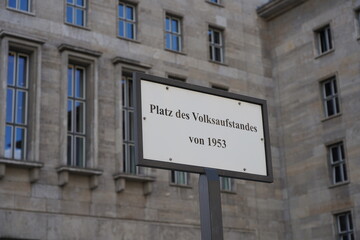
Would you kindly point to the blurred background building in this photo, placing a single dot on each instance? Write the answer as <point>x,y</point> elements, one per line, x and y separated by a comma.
<point>66,116</point>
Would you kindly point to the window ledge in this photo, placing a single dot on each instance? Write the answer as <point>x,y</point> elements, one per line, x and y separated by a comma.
<point>121,178</point>
<point>339,184</point>
<point>331,117</point>
<point>129,39</point>
<point>117,60</point>
<point>228,191</point>
<point>64,171</point>
<point>177,52</point>
<point>77,26</point>
<point>180,185</point>
<point>220,63</point>
<point>34,167</point>
<point>214,4</point>
<point>67,47</point>
<point>21,11</point>
<point>325,53</point>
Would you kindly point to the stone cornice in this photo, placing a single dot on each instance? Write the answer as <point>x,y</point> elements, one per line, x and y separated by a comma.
<point>275,8</point>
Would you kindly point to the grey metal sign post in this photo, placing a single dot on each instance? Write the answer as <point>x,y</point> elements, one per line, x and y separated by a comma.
<point>210,206</point>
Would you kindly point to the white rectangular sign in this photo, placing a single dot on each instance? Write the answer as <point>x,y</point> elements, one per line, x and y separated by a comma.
<point>184,127</point>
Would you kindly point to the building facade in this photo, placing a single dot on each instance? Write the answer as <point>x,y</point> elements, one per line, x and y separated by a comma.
<point>66,116</point>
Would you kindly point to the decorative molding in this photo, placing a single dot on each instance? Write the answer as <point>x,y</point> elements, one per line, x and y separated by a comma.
<point>4,34</point>
<point>275,8</point>
<point>121,178</point>
<point>65,171</point>
<point>131,62</point>
<point>68,47</point>
<point>34,167</point>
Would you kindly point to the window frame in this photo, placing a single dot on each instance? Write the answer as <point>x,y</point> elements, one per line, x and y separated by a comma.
<point>178,35</point>
<point>342,163</point>
<point>212,45</point>
<point>133,22</point>
<point>32,47</point>
<point>334,97</point>
<point>72,133</point>
<point>75,6</point>
<point>178,180</point>
<point>17,7</point>
<point>349,232</point>
<point>329,40</point>
<point>87,59</point>
<point>13,124</point>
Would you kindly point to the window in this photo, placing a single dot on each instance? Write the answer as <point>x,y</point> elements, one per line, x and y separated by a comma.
<point>173,33</point>
<point>126,21</point>
<point>216,46</point>
<point>180,177</point>
<point>128,124</point>
<point>76,12</point>
<point>344,226</point>
<point>17,106</point>
<point>337,163</point>
<point>330,97</point>
<point>76,116</point>
<point>226,184</point>
<point>324,39</point>
<point>22,5</point>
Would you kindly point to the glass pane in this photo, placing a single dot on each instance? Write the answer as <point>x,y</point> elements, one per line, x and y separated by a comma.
<point>328,89</point>
<point>131,126</point>
<point>80,151</point>
<point>210,36</point>
<point>24,5</point>
<point>19,151</point>
<point>168,41</point>
<point>80,3</point>
<point>121,28</point>
<point>123,92</point>
<point>124,125</point>
<point>69,14</point>
<point>211,53</point>
<point>124,158</point>
<point>129,13</point>
<point>217,36</point>
<point>70,115</point>
<point>70,81</point>
<point>342,223</point>
<point>132,160</point>
<point>79,83</point>
<point>323,45</point>
<point>337,109</point>
<point>175,26</point>
<point>334,154</point>
<point>21,99</point>
<point>330,107</point>
<point>337,172</point>
<point>350,222</point>
<point>329,38</point>
<point>12,3</point>
<point>70,1</point>
<point>11,69</point>
<point>121,10</point>
<point>130,30</point>
<point>69,150</point>
<point>8,141</point>
<point>130,93</point>
<point>334,86</point>
<point>80,17</point>
<point>167,24</point>
<point>10,106</point>
<point>79,117</point>
<point>344,172</point>
<point>175,42</point>
<point>22,70</point>
<point>217,54</point>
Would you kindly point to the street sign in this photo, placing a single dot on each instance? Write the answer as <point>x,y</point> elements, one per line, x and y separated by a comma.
<point>185,127</point>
